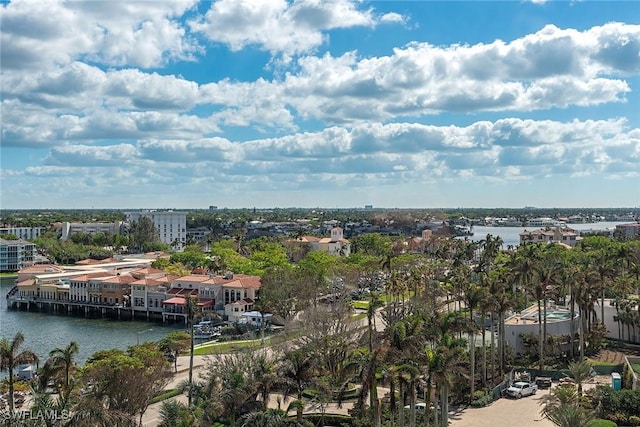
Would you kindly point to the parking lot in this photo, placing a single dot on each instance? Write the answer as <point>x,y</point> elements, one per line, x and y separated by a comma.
<point>505,413</point>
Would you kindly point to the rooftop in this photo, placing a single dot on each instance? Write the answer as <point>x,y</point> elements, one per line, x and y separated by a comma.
<point>530,315</point>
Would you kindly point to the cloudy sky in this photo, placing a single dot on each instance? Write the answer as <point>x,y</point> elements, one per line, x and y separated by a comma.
<point>317,103</point>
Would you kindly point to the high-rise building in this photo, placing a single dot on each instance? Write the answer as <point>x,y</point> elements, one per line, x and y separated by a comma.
<point>171,225</point>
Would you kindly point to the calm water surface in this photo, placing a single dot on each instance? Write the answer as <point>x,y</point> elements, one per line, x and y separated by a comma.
<point>44,332</point>
<point>511,235</point>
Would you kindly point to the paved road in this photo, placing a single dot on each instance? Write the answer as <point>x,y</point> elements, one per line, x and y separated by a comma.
<point>513,413</point>
<point>504,413</point>
<point>151,418</point>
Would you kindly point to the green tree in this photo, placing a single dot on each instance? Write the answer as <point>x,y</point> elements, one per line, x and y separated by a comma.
<point>174,344</point>
<point>125,383</point>
<point>281,292</point>
<point>562,407</point>
<point>372,244</point>
<point>11,357</point>
<point>143,232</point>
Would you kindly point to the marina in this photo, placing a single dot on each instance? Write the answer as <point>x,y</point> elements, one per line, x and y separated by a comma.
<point>44,331</point>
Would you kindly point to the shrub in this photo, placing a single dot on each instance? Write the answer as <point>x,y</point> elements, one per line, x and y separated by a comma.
<point>603,423</point>
<point>479,394</point>
<point>166,395</point>
<point>482,402</point>
<point>329,419</point>
<point>634,420</point>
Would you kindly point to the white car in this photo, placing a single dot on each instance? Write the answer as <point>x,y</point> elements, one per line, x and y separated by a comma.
<point>522,388</point>
<point>420,406</point>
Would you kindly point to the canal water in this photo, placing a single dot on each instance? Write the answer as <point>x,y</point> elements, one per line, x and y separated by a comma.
<point>511,235</point>
<point>45,331</point>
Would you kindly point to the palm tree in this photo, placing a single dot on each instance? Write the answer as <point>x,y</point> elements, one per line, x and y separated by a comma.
<point>296,371</point>
<point>64,358</point>
<point>451,356</point>
<point>562,407</point>
<point>606,271</point>
<point>191,306</point>
<point>473,295</point>
<point>432,360</point>
<point>547,271</point>
<point>11,357</point>
<point>267,418</point>
<point>538,292</point>
<point>265,376</point>
<point>175,414</point>
<point>389,376</point>
<point>409,375</point>
<point>580,372</point>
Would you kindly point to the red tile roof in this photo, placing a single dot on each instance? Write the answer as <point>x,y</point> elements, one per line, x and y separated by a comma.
<point>27,282</point>
<point>147,282</point>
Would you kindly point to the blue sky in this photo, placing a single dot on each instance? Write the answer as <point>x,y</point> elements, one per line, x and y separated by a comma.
<point>315,103</point>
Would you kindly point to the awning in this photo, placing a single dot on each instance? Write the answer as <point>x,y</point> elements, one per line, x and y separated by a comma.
<point>175,300</point>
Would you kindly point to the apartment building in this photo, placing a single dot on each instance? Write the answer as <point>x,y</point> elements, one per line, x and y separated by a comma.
<point>91,228</point>
<point>25,233</point>
<point>171,225</point>
<point>14,254</point>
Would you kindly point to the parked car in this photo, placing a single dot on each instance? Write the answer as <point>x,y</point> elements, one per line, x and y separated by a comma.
<point>543,382</point>
<point>521,388</point>
<point>420,406</point>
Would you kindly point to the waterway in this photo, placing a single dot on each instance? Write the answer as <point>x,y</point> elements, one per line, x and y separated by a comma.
<point>511,235</point>
<point>45,331</point>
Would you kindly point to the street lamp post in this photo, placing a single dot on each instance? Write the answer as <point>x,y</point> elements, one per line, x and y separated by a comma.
<point>141,332</point>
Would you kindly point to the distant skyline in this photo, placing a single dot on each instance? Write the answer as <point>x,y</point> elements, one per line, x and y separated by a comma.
<point>334,104</point>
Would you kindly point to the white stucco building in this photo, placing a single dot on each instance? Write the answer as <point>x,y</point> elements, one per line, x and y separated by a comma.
<point>71,228</point>
<point>25,233</point>
<point>171,225</point>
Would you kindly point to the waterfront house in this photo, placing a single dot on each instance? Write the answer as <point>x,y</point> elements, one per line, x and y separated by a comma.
<point>175,307</point>
<point>544,222</point>
<point>234,311</point>
<point>78,285</point>
<point>428,242</point>
<point>147,295</point>
<point>116,290</point>
<point>560,235</point>
<point>222,295</point>
<point>629,231</point>
<point>31,271</point>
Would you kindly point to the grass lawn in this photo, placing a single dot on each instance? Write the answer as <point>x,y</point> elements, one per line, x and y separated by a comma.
<point>361,305</point>
<point>228,347</point>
